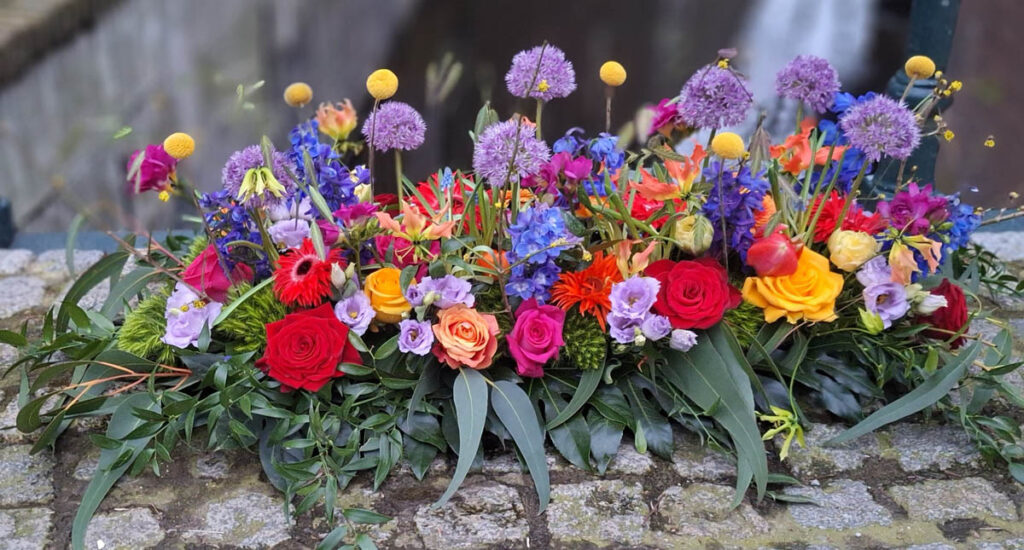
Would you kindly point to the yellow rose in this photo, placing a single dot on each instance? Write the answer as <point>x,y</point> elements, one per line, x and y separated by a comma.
<point>849,249</point>
<point>809,293</point>
<point>385,293</point>
<point>693,233</point>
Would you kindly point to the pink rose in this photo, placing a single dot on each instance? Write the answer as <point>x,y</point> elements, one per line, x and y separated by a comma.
<point>536,337</point>
<point>155,170</point>
<point>206,274</point>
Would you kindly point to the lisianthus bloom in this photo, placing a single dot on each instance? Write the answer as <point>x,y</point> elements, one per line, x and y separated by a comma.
<point>916,210</point>
<point>888,301</point>
<point>465,337</point>
<point>855,220</point>
<point>682,340</point>
<point>443,292</point>
<point>415,337</point>
<point>356,214</point>
<point>849,249</point>
<point>563,165</point>
<point>337,121</point>
<point>289,233</point>
<point>950,319</point>
<point>302,278</point>
<point>589,288</point>
<point>904,262</point>
<point>795,152</point>
<point>186,315</point>
<point>809,293</point>
<point>206,274</point>
<point>693,293</point>
<point>356,312</point>
<point>384,289</point>
<point>305,348</point>
<point>155,170</point>
<point>536,337</point>
<point>681,175</point>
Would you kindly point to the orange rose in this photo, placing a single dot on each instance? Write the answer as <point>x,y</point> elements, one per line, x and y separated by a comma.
<point>465,337</point>
<point>384,290</point>
<point>809,293</point>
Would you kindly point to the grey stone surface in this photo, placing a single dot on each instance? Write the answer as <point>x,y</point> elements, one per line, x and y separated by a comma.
<point>599,512</point>
<point>1008,245</point>
<point>19,294</point>
<point>25,528</point>
<point>86,466</point>
<point>212,465</point>
<point>630,462</point>
<point>93,299</point>
<point>14,261</point>
<point>931,546</point>
<point>124,530</point>
<point>8,419</point>
<point>8,354</point>
<point>245,519</point>
<point>705,510</point>
<point>1010,544</point>
<point>695,462</point>
<point>842,504</point>
<point>53,264</point>
<point>941,499</point>
<point>817,459</point>
<point>921,447</point>
<point>24,478</point>
<point>478,515</point>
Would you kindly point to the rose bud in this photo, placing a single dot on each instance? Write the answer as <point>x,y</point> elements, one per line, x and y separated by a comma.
<point>773,256</point>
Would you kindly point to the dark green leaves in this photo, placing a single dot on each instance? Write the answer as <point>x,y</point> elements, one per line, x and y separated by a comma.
<point>470,396</point>
<point>516,412</point>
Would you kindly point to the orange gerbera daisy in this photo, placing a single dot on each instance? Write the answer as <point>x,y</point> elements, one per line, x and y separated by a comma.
<point>589,289</point>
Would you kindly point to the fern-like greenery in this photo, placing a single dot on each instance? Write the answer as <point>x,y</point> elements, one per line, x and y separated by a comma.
<point>245,326</point>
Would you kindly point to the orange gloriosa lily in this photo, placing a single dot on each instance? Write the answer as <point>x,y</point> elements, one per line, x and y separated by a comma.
<point>795,152</point>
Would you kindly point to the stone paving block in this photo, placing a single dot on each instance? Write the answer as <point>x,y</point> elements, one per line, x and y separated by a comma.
<point>478,515</point>
<point>940,499</point>
<point>130,529</point>
<point>705,510</point>
<point>600,512</point>
<point>53,266</point>
<point>1011,544</point>
<point>211,465</point>
<point>247,519</point>
<point>8,354</point>
<point>922,447</point>
<point>20,293</point>
<point>818,460</point>
<point>693,461</point>
<point>25,478</point>
<point>842,504</point>
<point>25,528</point>
<point>14,261</point>
<point>629,461</point>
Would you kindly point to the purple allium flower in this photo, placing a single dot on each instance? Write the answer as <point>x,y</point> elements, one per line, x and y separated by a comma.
<point>875,272</point>
<point>915,210</point>
<point>623,329</point>
<point>682,340</point>
<point>398,126</point>
<point>356,312</point>
<point>186,314</point>
<point>810,79</point>
<point>634,297</point>
<point>714,98</point>
<point>415,337</point>
<point>554,78</point>
<point>888,301</point>
<point>240,162</point>
<point>494,148</point>
<point>449,290</point>
<point>289,233</point>
<point>656,327</point>
<point>881,126</point>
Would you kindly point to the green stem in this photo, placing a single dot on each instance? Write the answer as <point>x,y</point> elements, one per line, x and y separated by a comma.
<point>398,176</point>
<point>721,217</point>
<point>369,153</point>
<point>853,193</point>
<point>540,112</point>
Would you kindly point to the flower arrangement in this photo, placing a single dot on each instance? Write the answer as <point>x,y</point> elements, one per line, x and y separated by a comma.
<point>574,293</point>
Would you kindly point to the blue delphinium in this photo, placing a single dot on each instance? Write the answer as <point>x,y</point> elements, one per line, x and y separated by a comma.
<point>228,221</point>
<point>961,224</point>
<point>534,237</point>
<point>742,194</point>
<point>335,181</point>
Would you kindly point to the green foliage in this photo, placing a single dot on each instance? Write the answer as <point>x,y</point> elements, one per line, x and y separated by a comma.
<point>745,320</point>
<point>585,343</point>
<point>143,327</point>
<point>245,325</point>
<point>195,248</point>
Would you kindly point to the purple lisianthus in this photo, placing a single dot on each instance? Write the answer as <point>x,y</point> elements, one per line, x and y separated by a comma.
<point>714,98</point>
<point>682,340</point>
<point>289,233</point>
<point>809,79</point>
<point>415,337</point>
<point>285,211</point>
<point>881,126</point>
<point>186,314</point>
<point>240,162</point>
<point>634,297</point>
<point>546,69</point>
<point>656,327</point>
<point>395,125</point>
<point>494,151</point>
<point>888,301</point>
<point>623,329</point>
<point>356,312</point>
<point>875,271</point>
<point>444,292</point>
<point>916,210</point>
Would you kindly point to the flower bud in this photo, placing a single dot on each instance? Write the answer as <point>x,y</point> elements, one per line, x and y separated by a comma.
<point>871,322</point>
<point>338,276</point>
<point>773,256</point>
<point>693,234</point>
<point>362,192</point>
<point>930,303</point>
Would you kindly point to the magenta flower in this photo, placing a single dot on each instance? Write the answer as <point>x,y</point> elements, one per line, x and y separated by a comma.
<point>666,117</point>
<point>155,170</point>
<point>916,210</point>
<point>536,337</point>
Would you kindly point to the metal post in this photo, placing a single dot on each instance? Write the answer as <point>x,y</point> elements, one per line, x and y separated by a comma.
<point>932,24</point>
<point>6,223</point>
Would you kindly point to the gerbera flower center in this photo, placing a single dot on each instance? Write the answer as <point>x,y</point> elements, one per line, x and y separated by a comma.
<point>303,267</point>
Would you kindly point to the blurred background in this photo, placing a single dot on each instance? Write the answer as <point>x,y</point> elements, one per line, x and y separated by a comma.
<point>76,73</point>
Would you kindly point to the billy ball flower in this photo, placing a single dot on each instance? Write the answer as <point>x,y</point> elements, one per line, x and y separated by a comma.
<point>542,73</point>
<point>382,84</point>
<point>809,79</point>
<point>499,143</point>
<point>613,73</point>
<point>246,177</point>
<point>919,66</point>
<point>881,126</point>
<point>179,145</point>
<point>395,125</point>
<point>713,98</point>
<point>728,145</point>
<point>298,94</point>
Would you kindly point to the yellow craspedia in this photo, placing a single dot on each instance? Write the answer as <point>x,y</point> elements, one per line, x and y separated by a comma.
<point>919,66</point>
<point>382,84</point>
<point>613,73</point>
<point>728,145</point>
<point>179,145</point>
<point>990,142</point>
<point>948,135</point>
<point>298,94</point>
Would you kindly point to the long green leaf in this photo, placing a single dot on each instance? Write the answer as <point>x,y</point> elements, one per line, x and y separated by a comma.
<point>126,287</point>
<point>516,412</point>
<point>929,392</point>
<point>588,383</point>
<point>69,245</point>
<point>109,266</point>
<point>470,395</point>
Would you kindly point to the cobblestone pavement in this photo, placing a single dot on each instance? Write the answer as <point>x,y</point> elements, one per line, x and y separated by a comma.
<point>912,485</point>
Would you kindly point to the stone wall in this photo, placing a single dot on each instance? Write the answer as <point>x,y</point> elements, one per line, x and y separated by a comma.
<point>912,485</point>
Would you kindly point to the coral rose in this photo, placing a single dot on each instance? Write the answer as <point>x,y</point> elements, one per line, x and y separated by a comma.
<point>810,293</point>
<point>464,337</point>
<point>385,293</point>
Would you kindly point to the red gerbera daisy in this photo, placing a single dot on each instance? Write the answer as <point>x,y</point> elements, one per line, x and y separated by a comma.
<point>589,288</point>
<point>302,278</point>
<point>855,220</point>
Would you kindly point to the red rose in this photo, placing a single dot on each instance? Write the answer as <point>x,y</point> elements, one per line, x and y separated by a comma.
<point>206,274</point>
<point>305,348</point>
<point>951,318</point>
<point>693,293</point>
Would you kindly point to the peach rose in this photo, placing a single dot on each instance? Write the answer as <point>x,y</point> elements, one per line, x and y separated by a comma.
<point>465,337</point>
<point>384,290</point>
<point>809,293</point>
